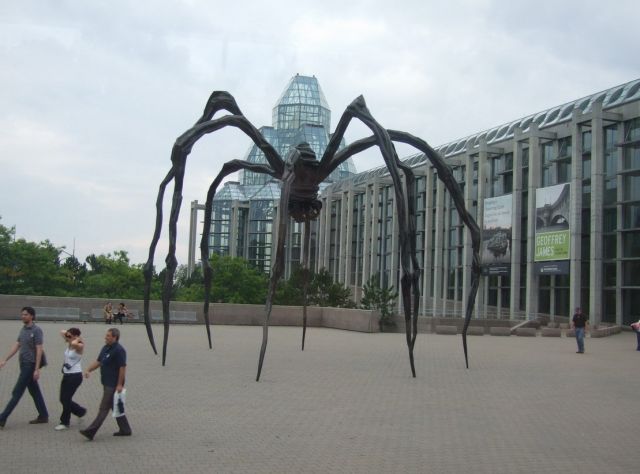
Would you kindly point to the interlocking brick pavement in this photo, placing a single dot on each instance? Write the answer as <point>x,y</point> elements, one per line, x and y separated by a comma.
<point>347,404</point>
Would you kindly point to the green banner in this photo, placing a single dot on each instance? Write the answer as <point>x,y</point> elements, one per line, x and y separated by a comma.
<point>552,245</point>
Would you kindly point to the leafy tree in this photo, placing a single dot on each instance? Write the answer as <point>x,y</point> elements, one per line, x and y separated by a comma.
<point>324,292</point>
<point>112,276</point>
<point>382,298</point>
<point>29,267</point>
<point>290,292</point>
<point>235,281</point>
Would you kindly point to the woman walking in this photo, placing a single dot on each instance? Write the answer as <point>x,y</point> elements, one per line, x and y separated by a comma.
<point>71,377</point>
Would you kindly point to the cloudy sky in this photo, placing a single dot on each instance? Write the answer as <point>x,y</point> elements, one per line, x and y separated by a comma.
<point>93,93</point>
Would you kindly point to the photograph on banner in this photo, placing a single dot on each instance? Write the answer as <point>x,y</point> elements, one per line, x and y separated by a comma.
<point>496,235</point>
<point>553,204</point>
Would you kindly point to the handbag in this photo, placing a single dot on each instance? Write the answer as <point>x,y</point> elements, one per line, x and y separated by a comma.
<point>635,326</point>
<point>118,403</point>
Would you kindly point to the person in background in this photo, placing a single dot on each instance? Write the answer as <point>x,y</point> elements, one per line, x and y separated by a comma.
<point>636,327</point>
<point>580,324</point>
<point>108,313</point>
<point>71,377</point>
<point>122,313</point>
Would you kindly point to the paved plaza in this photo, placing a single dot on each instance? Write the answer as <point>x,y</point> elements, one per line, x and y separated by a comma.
<point>347,404</point>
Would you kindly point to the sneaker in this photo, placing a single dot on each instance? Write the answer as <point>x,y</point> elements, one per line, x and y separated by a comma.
<point>122,433</point>
<point>87,434</point>
<point>39,421</point>
<point>61,427</point>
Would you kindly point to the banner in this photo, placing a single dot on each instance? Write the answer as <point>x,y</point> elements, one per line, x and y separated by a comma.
<point>496,235</point>
<point>553,205</point>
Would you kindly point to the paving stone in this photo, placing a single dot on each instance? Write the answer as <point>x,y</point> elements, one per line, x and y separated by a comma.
<point>347,404</point>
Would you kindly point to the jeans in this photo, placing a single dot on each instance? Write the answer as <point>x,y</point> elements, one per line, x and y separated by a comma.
<point>106,404</point>
<point>68,387</point>
<point>25,381</point>
<point>580,339</point>
<point>638,336</point>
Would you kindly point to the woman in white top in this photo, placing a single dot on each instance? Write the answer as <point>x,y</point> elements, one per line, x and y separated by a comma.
<point>71,377</point>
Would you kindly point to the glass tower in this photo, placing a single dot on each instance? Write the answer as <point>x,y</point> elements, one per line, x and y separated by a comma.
<point>244,211</point>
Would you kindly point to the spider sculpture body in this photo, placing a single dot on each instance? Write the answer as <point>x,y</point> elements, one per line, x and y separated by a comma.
<point>301,174</point>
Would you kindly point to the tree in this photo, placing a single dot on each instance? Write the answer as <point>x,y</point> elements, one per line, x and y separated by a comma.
<point>235,281</point>
<point>29,267</point>
<point>382,298</point>
<point>324,292</point>
<point>112,276</point>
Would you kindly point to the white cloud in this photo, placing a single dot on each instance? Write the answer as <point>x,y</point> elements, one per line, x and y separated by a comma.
<point>97,92</point>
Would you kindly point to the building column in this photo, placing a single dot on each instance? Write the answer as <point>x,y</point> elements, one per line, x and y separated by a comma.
<point>427,274</point>
<point>532,284</point>
<point>344,259</point>
<point>597,194</point>
<point>482,157</point>
<point>374,263</point>
<point>516,229</point>
<point>193,236</point>
<point>575,218</point>
<point>437,264</point>
<point>467,249</point>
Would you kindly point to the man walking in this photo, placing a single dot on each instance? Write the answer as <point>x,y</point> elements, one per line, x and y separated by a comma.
<point>30,344</point>
<point>112,361</point>
<point>579,324</point>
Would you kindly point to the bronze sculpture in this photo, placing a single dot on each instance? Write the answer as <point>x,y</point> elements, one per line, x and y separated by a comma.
<point>301,173</point>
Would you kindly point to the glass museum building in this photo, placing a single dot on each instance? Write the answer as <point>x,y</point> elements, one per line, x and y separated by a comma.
<point>556,195</point>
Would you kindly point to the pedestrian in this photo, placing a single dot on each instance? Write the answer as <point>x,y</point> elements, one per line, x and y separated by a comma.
<point>579,323</point>
<point>122,313</point>
<point>71,377</point>
<point>636,327</point>
<point>108,313</point>
<point>31,358</point>
<point>112,361</point>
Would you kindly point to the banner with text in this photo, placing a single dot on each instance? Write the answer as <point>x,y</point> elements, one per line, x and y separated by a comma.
<point>496,235</point>
<point>553,205</point>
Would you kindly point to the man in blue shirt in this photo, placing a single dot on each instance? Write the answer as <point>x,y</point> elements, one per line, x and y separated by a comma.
<point>30,345</point>
<point>112,361</point>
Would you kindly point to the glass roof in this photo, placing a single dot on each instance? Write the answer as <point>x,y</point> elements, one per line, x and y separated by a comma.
<point>613,97</point>
<point>610,98</point>
<point>301,114</point>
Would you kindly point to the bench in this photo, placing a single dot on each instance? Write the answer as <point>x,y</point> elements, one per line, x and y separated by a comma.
<point>177,316</point>
<point>97,314</point>
<point>500,331</point>
<point>475,331</point>
<point>50,313</point>
<point>551,332</point>
<point>440,329</point>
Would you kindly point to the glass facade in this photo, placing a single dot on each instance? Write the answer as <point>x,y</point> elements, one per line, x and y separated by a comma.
<point>244,211</point>
<point>592,144</point>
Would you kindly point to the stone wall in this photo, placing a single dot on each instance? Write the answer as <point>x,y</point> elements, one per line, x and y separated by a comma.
<point>90,309</point>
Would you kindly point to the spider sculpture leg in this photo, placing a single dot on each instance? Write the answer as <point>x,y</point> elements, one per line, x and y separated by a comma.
<point>305,281</point>
<point>148,268</point>
<point>410,269</point>
<point>446,176</point>
<point>227,169</point>
<point>180,152</point>
<point>278,266</point>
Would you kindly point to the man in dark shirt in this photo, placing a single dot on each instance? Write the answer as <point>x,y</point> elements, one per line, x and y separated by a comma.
<point>112,361</point>
<point>579,324</point>
<point>29,343</point>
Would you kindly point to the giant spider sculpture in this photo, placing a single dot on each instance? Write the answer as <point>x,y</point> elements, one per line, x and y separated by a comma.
<point>301,173</point>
